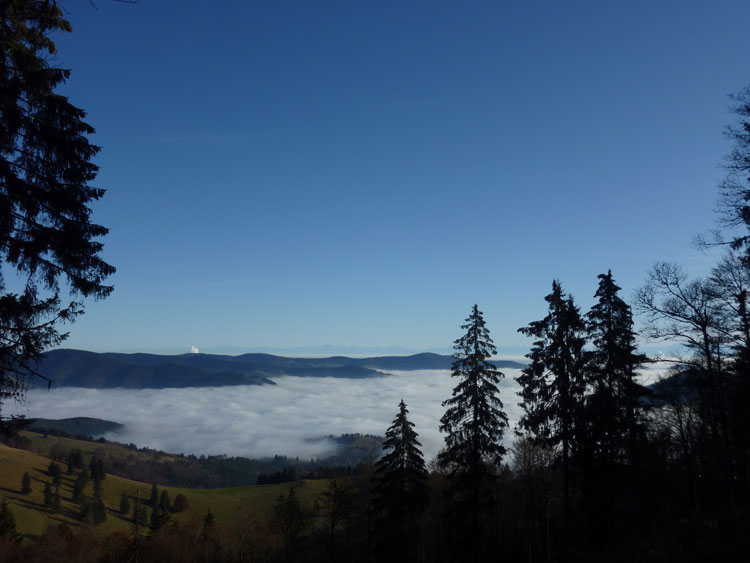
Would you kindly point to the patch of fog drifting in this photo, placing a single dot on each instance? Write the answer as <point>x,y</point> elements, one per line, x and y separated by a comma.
<point>255,421</point>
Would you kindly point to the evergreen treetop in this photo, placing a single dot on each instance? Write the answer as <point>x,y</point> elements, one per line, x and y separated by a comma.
<point>553,384</point>
<point>612,365</point>
<point>400,490</point>
<point>474,421</point>
<point>402,470</point>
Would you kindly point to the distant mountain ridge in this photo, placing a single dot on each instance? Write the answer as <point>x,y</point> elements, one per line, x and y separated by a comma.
<point>79,368</point>
<point>77,426</point>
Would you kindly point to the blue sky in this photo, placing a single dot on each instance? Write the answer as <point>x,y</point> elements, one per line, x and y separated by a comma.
<point>354,176</point>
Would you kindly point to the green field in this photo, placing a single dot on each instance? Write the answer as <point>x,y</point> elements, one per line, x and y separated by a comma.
<point>33,517</point>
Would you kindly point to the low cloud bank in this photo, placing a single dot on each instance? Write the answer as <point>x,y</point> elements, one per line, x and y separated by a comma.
<point>255,421</point>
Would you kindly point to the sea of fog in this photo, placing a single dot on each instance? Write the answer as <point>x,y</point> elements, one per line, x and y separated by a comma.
<point>256,421</point>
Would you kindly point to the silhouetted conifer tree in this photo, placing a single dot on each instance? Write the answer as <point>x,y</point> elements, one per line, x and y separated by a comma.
<point>7,521</point>
<point>54,471</point>
<point>77,458</point>
<point>400,490</point>
<point>93,511</point>
<point>155,521</point>
<point>48,242</point>
<point>99,510</point>
<point>474,423</point>
<point>55,506</point>
<point>139,514</point>
<point>613,424</point>
<point>289,520</point>
<point>124,503</point>
<point>209,521</point>
<point>79,486</point>
<point>164,501</point>
<point>26,484</point>
<point>553,385</point>
<point>47,494</point>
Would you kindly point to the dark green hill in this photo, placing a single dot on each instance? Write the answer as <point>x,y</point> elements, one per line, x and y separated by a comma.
<point>78,368</point>
<point>77,426</point>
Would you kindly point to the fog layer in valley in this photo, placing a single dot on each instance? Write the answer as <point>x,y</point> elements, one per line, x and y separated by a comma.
<point>255,421</point>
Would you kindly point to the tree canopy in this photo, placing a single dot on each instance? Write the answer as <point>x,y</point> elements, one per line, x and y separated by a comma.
<point>49,247</point>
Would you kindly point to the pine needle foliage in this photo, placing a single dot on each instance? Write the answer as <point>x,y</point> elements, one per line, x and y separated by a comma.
<point>49,243</point>
<point>553,384</point>
<point>615,396</point>
<point>474,421</point>
<point>400,490</point>
<point>402,469</point>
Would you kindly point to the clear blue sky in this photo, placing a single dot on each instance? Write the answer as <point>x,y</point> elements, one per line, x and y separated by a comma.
<point>287,175</point>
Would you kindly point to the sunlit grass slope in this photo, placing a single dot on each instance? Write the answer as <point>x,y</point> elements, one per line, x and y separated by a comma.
<point>33,517</point>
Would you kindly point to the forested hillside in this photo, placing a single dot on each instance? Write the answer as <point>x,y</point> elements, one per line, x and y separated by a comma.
<point>78,368</point>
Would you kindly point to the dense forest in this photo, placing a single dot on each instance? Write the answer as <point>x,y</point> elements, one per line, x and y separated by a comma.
<point>350,451</point>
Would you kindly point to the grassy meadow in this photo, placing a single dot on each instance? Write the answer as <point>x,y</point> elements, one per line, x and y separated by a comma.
<point>33,517</point>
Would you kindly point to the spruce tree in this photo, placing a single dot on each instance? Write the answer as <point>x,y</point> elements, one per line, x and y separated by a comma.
<point>77,459</point>
<point>54,471</point>
<point>613,424</point>
<point>139,513</point>
<point>93,511</point>
<point>154,496</point>
<point>164,501</point>
<point>99,510</point>
<point>289,520</point>
<point>47,494</point>
<point>124,503</point>
<point>26,484</point>
<point>55,505</point>
<point>7,521</point>
<point>156,519</point>
<point>553,385</point>
<point>209,520</point>
<point>79,486</point>
<point>96,467</point>
<point>97,488</point>
<point>400,490</point>
<point>474,423</point>
<point>138,522</point>
<point>50,248</point>
<point>93,469</point>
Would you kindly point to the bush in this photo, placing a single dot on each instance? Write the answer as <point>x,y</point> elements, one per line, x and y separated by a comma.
<point>180,503</point>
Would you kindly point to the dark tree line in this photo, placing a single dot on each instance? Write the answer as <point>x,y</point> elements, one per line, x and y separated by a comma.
<point>599,468</point>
